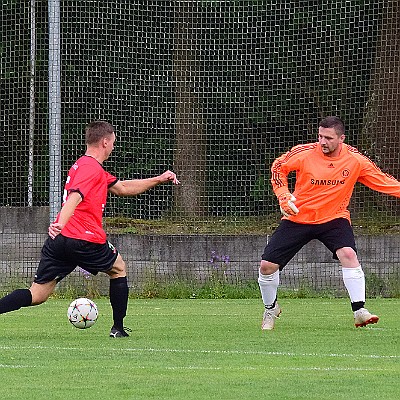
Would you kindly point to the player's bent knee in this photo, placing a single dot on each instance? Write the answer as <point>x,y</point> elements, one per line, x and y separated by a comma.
<point>118,269</point>
<point>347,257</point>
<point>268,268</point>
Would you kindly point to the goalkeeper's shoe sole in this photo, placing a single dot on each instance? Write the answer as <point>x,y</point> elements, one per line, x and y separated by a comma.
<point>363,317</point>
<point>118,333</point>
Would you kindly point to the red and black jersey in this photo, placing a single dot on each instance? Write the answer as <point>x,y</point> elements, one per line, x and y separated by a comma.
<point>91,181</point>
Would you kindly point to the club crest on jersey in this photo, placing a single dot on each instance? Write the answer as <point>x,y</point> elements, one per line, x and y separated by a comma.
<point>345,173</point>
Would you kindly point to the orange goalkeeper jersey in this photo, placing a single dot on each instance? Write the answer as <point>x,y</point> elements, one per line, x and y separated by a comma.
<point>324,184</point>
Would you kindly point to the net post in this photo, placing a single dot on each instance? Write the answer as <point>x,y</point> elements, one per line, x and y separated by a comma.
<point>32,104</point>
<point>54,108</point>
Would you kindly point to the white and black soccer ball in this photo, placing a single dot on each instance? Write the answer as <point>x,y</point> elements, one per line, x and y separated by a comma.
<point>82,313</point>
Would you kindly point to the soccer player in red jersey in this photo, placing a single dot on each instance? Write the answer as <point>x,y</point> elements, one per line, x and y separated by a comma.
<point>77,237</point>
<point>326,172</point>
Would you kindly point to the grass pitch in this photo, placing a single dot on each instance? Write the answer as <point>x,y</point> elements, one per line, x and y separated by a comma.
<point>202,349</point>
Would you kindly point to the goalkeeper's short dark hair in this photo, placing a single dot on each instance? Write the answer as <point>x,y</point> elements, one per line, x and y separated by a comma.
<point>333,122</point>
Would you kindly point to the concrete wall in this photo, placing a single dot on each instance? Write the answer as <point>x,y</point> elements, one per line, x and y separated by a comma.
<point>190,257</point>
<point>24,219</point>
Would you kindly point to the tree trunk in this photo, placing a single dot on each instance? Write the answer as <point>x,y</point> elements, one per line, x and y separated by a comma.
<point>190,145</point>
<point>382,118</point>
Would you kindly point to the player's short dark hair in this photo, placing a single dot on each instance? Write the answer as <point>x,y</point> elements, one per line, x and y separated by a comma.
<point>97,130</point>
<point>335,123</point>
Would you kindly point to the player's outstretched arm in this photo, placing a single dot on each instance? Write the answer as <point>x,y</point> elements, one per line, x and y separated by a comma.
<point>134,187</point>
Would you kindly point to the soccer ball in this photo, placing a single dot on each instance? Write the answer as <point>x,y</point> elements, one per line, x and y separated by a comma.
<point>82,313</point>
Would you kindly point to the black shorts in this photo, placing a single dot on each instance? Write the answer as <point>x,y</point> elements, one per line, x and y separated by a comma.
<point>290,237</point>
<point>60,256</point>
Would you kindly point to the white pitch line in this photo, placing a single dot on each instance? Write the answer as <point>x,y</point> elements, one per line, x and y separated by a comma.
<point>266,353</point>
<point>246,368</point>
<point>205,351</point>
<point>16,366</point>
<point>192,367</point>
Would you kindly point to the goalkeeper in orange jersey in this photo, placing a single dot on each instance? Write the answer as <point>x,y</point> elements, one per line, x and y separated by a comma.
<point>326,172</point>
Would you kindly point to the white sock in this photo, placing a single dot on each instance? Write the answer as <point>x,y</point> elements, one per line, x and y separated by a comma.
<point>268,287</point>
<point>354,281</point>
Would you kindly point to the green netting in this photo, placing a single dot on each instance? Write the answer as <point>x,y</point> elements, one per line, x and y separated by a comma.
<point>214,90</point>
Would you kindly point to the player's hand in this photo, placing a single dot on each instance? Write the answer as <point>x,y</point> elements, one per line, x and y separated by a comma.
<point>286,203</point>
<point>54,229</point>
<point>169,176</point>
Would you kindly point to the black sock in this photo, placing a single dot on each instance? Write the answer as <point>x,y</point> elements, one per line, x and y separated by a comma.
<point>357,305</point>
<point>15,300</point>
<point>119,300</point>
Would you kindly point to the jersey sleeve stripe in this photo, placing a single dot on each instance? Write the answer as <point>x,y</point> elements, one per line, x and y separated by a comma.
<point>112,183</point>
<point>76,191</point>
<point>355,151</point>
<point>276,167</point>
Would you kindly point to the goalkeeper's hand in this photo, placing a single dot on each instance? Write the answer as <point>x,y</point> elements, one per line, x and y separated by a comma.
<point>286,203</point>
